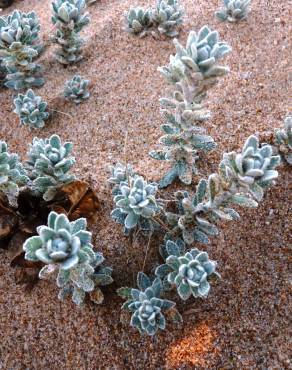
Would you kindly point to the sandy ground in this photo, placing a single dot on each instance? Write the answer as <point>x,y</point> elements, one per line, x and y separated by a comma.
<point>244,324</point>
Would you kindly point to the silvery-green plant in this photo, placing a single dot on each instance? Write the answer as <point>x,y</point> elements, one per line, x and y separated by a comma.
<point>69,18</point>
<point>168,15</point>
<point>138,21</point>
<point>12,174</point>
<point>19,47</point>
<point>192,71</point>
<point>135,203</point>
<point>283,139</point>
<point>146,304</point>
<point>31,109</point>
<point>49,163</point>
<point>241,180</point>
<point>66,247</point>
<point>119,174</point>
<point>233,10</point>
<point>76,89</point>
<point>188,271</point>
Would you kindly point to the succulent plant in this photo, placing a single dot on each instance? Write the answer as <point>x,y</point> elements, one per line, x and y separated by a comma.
<point>284,139</point>
<point>233,10</point>
<point>135,203</point>
<point>19,47</point>
<point>12,174</point>
<point>147,306</point>
<point>31,109</point>
<point>187,271</point>
<point>139,20</point>
<point>253,169</point>
<point>192,71</point>
<point>66,246</point>
<point>48,164</point>
<point>119,174</point>
<point>77,89</point>
<point>70,19</point>
<point>168,16</point>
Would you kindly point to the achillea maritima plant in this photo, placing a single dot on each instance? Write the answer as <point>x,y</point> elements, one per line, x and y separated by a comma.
<point>146,304</point>
<point>192,71</point>
<point>77,89</point>
<point>66,247</point>
<point>31,109</point>
<point>70,19</point>
<point>12,174</point>
<point>283,140</point>
<point>49,163</point>
<point>233,10</point>
<point>19,47</point>
<point>138,21</point>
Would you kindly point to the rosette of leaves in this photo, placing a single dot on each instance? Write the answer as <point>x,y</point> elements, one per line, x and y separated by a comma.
<point>19,47</point>
<point>233,10</point>
<point>69,18</point>
<point>77,89</point>
<point>168,16</point>
<point>66,246</point>
<point>135,203</point>
<point>146,304</point>
<point>283,140</point>
<point>138,21</point>
<point>192,71</point>
<point>31,109</point>
<point>49,163</point>
<point>12,174</point>
<point>188,271</point>
<point>253,169</point>
<point>119,174</point>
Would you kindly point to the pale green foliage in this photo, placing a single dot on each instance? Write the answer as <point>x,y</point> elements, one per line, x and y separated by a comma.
<point>241,179</point>
<point>187,271</point>
<point>283,139</point>
<point>233,10</point>
<point>66,247</point>
<point>192,71</point>
<point>146,304</point>
<point>119,174</point>
<point>168,16</point>
<point>49,162</point>
<point>77,89</point>
<point>70,19</point>
<point>12,174</point>
<point>19,47</point>
<point>139,20</point>
<point>135,201</point>
<point>31,109</point>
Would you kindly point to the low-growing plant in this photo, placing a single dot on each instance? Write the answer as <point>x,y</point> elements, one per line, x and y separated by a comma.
<point>165,17</point>
<point>70,18</point>
<point>12,174</point>
<point>283,140</point>
<point>146,304</point>
<point>192,71</point>
<point>31,109</point>
<point>233,10</point>
<point>188,271</point>
<point>66,247</point>
<point>48,164</point>
<point>76,89</point>
<point>19,47</point>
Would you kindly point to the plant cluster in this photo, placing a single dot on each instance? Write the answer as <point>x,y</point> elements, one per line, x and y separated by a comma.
<point>77,89</point>
<point>19,47</point>
<point>283,139</point>
<point>233,10</point>
<point>69,18</point>
<point>66,247</point>
<point>166,17</point>
<point>191,72</point>
<point>31,109</point>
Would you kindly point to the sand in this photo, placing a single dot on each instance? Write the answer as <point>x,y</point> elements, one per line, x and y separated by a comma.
<point>244,324</point>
